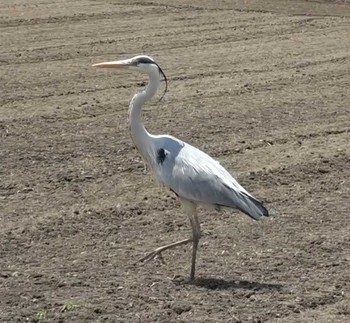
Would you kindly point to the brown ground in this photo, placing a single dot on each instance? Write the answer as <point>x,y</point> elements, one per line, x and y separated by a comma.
<point>263,86</point>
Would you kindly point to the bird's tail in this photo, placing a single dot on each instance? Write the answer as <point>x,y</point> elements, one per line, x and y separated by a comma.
<point>252,207</point>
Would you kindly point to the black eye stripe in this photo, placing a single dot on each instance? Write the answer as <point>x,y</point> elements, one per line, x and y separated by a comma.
<point>144,60</point>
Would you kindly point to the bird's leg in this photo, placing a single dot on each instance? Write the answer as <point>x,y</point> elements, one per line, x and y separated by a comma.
<point>191,210</point>
<point>196,235</point>
<point>157,252</point>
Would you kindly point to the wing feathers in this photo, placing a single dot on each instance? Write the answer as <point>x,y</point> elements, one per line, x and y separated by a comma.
<point>247,204</point>
<point>195,176</point>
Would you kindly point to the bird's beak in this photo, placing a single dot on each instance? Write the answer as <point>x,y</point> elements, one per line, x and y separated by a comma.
<point>115,64</point>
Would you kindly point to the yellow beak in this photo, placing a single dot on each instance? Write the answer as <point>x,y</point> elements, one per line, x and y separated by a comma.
<point>114,64</point>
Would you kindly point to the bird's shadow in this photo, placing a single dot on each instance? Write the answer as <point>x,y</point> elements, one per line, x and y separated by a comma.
<point>222,284</point>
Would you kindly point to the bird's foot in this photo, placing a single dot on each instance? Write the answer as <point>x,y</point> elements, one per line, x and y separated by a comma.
<point>155,254</point>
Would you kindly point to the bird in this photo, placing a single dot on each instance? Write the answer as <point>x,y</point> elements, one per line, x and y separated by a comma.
<point>196,178</point>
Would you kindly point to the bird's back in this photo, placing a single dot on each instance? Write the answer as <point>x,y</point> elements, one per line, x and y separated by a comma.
<point>197,177</point>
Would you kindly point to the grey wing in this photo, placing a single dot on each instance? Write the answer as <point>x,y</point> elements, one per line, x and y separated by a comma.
<point>194,175</point>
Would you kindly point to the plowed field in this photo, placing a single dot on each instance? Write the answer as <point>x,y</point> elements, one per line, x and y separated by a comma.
<point>262,86</point>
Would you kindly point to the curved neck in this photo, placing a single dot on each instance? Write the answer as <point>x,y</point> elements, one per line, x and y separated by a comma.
<point>141,137</point>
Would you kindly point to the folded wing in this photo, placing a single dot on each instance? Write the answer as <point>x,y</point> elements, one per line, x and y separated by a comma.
<point>194,175</point>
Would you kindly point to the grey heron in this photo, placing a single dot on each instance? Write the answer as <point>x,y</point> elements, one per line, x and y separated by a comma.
<point>195,177</point>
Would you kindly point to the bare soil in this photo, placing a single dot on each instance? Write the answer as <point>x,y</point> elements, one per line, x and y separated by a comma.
<point>263,86</point>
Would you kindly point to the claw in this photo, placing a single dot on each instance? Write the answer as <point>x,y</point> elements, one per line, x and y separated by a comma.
<point>152,255</point>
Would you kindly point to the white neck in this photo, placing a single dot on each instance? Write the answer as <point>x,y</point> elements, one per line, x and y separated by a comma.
<point>142,139</point>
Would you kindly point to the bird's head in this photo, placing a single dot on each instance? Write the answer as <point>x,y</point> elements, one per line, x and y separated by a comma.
<point>140,63</point>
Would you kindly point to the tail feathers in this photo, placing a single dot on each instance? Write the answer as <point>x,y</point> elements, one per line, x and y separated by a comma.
<point>252,207</point>
<point>240,199</point>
